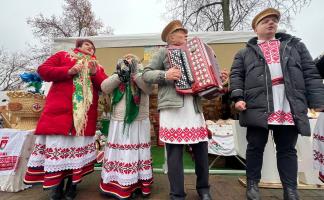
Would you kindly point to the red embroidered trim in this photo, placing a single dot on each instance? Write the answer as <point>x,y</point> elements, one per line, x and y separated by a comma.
<point>186,135</point>
<point>127,168</point>
<point>319,137</point>
<point>8,163</point>
<point>318,156</point>
<point>129,146</point>
<point>281,117</point>
<point>277,81</point>
<point>63,153</point>
<point>321,176</point>
<point>39,149</point>
<point>271,51</point>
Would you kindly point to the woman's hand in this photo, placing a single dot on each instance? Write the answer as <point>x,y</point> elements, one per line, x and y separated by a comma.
<point>240,105</point>
<point>224,75</point>
<point>75,69</point>
<point>93,67</point>
<point>173,73</point>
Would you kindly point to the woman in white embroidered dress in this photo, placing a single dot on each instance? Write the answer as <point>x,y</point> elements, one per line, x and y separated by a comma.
<point>65,143</point>
<point>318,143</point>
<point>127,165</point>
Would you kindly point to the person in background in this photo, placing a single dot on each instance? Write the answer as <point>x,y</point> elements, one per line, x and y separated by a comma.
<point>65,144</point>
<point>273,81</point>
<point>318,142</point>
<point>127,164</point>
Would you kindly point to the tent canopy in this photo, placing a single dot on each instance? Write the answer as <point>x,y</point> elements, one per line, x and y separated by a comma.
<point>153,39</point>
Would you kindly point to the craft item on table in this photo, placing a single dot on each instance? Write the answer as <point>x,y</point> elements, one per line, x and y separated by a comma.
<point>34,82</point>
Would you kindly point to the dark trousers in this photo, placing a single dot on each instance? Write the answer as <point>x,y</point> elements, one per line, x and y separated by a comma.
<point>285,138</point>
<point>175,168</point>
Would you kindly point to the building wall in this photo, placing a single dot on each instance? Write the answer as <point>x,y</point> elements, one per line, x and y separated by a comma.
<point>213,109</point>
<point>108,56</point>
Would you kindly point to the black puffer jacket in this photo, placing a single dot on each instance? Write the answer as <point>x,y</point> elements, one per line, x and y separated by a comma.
<point>250,80</point>
<point>319,61</point>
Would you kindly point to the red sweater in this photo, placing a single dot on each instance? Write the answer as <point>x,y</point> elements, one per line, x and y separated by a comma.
<point>57,116</point>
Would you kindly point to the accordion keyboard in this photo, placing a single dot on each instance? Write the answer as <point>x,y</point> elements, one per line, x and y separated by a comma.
<point>179,59</point>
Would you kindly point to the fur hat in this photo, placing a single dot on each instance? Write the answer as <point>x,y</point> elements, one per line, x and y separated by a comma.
<point>171,27</point>
<point>265,13</point>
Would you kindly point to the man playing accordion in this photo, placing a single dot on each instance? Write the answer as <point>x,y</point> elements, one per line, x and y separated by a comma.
<point>181,117</point>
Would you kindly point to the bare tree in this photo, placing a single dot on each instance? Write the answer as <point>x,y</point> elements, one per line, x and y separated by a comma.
<point>11,65</point>
<point>218,15</point>
<point>77,20</point>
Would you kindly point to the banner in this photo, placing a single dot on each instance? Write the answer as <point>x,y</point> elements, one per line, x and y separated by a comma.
<point>11,142</point>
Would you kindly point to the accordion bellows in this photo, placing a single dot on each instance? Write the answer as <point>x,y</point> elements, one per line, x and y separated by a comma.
<point>199,68</point>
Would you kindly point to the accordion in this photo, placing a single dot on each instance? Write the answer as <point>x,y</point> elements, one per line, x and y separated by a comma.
<point>200,73</point>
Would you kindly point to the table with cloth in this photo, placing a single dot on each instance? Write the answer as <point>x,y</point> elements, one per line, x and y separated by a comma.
<point>15,149</point>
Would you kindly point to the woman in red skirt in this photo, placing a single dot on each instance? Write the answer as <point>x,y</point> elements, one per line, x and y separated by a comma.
<point>65,144</point>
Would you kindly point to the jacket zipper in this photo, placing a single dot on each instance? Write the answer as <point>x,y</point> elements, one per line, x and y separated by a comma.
<point>266,76</point>
<point>283,57</point>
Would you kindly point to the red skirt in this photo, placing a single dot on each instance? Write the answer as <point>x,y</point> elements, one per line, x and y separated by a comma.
<point>37,175</point>
<point>124,192</point>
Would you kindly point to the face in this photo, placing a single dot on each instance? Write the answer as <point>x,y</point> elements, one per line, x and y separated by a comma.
<point>129,59</point>
<point>267,27</point>
<point>87,47</point>
<point>178,38</point>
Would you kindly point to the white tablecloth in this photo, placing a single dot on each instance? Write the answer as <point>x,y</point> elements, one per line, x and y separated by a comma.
<point>222,141</point>
<point>15,145</point>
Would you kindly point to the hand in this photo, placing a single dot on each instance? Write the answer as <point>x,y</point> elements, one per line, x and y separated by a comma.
<point>173,73</point>
<point>319,109</point>
<point>240,105</point>
<point>75,69</point>
<point>224,75</point>
<point>123,71</point>
<point>93,67</point>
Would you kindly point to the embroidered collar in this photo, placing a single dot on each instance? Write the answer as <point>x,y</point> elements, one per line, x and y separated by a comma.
<point>263,41</point>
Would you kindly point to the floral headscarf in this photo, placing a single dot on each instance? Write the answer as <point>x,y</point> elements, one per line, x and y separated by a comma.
<point>83,91</point>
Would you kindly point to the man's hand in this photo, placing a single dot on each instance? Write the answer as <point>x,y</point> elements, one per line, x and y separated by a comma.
<point>173,73</point>
<point>75,69</point>
<point>240,105</point>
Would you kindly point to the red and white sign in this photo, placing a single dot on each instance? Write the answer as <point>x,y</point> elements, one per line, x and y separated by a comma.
<point>11,142</point>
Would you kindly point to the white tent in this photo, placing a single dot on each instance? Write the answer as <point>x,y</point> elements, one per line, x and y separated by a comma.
<point>152,39</point>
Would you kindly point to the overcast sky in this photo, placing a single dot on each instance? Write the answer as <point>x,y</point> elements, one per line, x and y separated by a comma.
<point>134,16</point>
